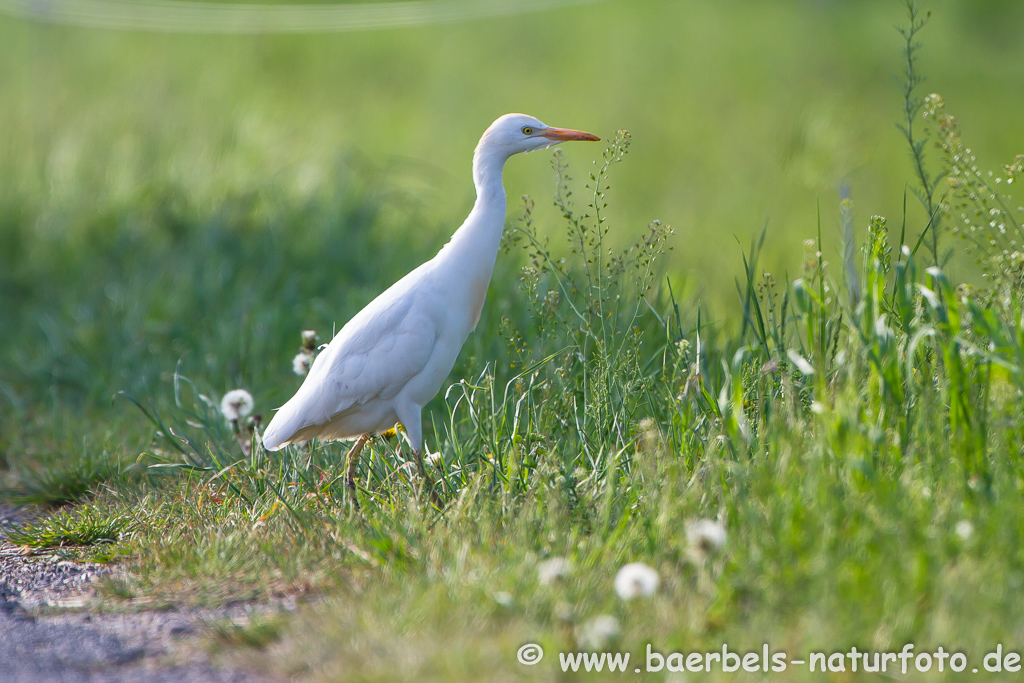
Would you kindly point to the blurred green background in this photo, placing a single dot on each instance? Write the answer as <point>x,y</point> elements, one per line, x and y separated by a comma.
<point>164,194</point>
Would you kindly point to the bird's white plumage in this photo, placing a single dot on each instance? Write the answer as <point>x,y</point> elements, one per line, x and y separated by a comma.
<point>392,356</point>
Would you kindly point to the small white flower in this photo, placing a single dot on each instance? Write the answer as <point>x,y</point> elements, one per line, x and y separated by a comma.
<point>552,570</point>
<point>503,598</point>
<point>635,580</point>
<point>599,632</point>
<point>705,537</point>
<point>964,529</point>
<point>563,610</point>
<point>236,404</point>
<point>301,363</point>
<point>650,437</point>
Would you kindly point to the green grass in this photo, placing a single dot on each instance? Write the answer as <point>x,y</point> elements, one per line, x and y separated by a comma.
<point>854,423</point>
<point>83,526</point>
<point>61,480</point>
<point>99,124</point>
<point>258,631</point>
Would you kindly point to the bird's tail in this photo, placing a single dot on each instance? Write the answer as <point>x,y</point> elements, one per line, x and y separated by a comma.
<point>278,433</point>
<point>272,439</point>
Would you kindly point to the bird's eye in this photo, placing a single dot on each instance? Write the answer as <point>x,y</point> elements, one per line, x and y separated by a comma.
<point>527,131</point>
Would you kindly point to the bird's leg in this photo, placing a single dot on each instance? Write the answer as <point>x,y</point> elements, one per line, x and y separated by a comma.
<point>353,460</point>
<point>410,417</point>
<point>428,482</point>
<point>418,454</point>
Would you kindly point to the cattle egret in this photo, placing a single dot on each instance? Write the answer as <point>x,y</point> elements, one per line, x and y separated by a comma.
<point>392,356</point>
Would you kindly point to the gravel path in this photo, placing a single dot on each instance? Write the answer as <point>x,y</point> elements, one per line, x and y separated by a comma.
<point>46,635</point>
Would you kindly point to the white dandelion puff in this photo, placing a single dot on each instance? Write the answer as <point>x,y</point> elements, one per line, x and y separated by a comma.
<point>599,632</point>
<point>309,339</point>
<point>550,571</point>
<point>649,434</point>
<point>301,363</point>
<point>636,580</point>
<point>564,611</point>
<point>964,529</point>
<point>236,404</point>
<point>503,598</point>
<point>705,538</point>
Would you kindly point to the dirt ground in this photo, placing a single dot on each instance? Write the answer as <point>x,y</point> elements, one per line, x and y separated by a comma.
<point>50,633</point>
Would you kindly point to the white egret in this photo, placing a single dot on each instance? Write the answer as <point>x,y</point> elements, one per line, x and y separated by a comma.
<point>391,358</point>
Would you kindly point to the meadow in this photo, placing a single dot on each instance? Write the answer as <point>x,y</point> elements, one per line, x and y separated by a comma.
<point>809,431</point>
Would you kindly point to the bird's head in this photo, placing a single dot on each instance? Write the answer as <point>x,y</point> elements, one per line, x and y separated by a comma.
<point>515,133</point>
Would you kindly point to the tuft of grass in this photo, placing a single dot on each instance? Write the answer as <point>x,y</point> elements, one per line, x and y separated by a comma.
<point>69,481</point>
<point>118,587</point>
<point>257,631</point>
<point>83,526</point>
<point>66,456</point>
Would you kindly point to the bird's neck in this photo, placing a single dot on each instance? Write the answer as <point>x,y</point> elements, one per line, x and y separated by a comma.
<point>474,246</point>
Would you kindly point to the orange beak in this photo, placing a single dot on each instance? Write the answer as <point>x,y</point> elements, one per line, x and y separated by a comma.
<point>562,134</point>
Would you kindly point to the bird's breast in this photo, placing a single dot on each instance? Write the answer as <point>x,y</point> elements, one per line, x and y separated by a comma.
<point>477,295</point>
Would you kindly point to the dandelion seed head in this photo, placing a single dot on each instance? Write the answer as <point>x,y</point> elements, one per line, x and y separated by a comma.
<point>236,404</point>
<point>636,580</point>
<point>599,632</point>
<point>964,529</point>
<point>301,363</point>
<point>564,611</point>
<point>650,435</point>
<point>552,570</point>
<point>705,537</point>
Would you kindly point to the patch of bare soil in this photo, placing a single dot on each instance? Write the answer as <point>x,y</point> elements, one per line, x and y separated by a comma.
<point>47,632</point>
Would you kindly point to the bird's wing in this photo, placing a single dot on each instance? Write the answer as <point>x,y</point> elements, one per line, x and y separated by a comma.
<point>381,354</point>
<point>373,357</point>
